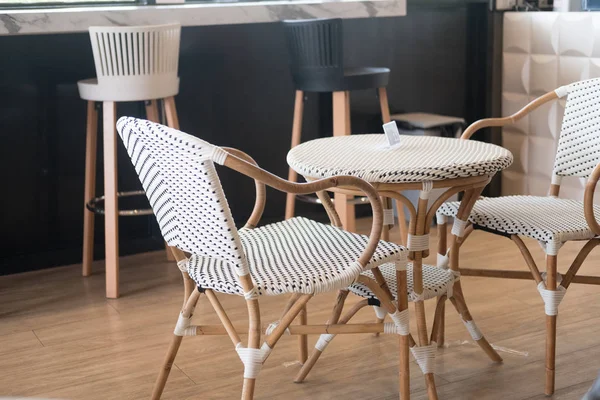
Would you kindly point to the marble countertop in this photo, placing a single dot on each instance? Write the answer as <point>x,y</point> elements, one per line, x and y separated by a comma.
<point>79,19</point>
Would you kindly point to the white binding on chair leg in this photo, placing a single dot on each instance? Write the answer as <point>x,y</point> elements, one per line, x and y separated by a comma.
<point>425,357</point>
<point>418,242</point>
<point>182,265</point>
<point>252,294</point>
<point>253,359</point>
<point>426,190</point>
<point>473,330</point>
<point>380,312</point>
<point>443,261</point>
<point>274,325</point>
<point>323,341</point>
<point>184,326</point>
<point>458,227</point>
<point>400,325</point>
<point>552,298</point>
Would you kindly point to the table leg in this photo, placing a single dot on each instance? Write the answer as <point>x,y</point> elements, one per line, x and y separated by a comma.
<point>457,298</point>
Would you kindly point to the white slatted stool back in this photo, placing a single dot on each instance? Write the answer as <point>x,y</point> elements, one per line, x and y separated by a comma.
<point>133,63</point>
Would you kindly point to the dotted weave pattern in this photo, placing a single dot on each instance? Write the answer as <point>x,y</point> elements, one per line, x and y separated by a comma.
<point>416,159</point>
<point>295,256</point>
<point>179,177</point>
<point>548,219</point>
<point>436,282</point>
<point>578,150</point>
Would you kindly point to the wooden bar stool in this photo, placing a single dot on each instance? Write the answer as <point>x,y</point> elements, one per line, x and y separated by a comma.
<point>134,63</point>
<point>316,53</point>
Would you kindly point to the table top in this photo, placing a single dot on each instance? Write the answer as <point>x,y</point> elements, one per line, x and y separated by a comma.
<point>416,159</point>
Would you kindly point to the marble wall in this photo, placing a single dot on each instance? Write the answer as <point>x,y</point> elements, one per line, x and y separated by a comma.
<point>542,51</point>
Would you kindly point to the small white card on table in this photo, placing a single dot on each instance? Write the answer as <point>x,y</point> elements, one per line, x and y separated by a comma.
<point>392,134</point>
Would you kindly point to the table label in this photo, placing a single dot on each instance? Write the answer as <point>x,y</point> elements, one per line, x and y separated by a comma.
<point>392,134</point>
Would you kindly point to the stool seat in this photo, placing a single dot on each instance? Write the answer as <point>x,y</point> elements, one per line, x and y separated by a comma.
<point>359,78</point>
<point>129,88</point>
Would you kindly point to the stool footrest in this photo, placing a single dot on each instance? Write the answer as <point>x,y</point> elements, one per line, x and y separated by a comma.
<point>94,205</point>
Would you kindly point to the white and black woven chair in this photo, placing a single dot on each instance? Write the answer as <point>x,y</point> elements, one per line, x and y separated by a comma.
<point>297,256</point>
<point>550,220</point>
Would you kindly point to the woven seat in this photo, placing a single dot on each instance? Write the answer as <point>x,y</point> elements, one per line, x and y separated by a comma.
<point>550,220</point>
<point>436,282</point>
<point>416,159</point>
<point>294,256</point>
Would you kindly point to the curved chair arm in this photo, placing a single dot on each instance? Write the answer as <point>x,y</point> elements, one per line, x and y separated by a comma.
<point>491,122</point>
<point>259,203</point>
<point>246,168</point>
<point>588,200</point>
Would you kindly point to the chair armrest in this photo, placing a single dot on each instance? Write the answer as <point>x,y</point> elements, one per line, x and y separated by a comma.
<point>259,203</point>
<point>246,168</point>
<point>491,122</point>
<point>588,200</point>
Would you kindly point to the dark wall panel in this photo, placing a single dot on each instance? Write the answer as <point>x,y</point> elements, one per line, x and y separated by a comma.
<point>235,91</point>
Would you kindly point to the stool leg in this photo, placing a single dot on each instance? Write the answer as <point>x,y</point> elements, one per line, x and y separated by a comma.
<point>383,104</point>
<point>171,112</point>
<point>90,187</point>
<point>111,216</point>
<point>385,117</point>
<point>152,115</point>
<point>290,203</point>
<point>341,127</point>
<point>152,111</point>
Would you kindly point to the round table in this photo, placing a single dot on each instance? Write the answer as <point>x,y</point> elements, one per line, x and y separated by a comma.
<point>423,163</point>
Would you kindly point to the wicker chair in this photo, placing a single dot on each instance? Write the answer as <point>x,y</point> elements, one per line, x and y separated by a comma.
<point>297,256</point>
<point>550,220</point>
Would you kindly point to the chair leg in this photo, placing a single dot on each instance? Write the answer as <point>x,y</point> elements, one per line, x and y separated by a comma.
<point>161,380</point>
<point>314,357</point>
<point>111,215</point>
<point>290,204</point>
<point>163,375</point>
<point>550,328</point>
<point>341,127</point>
<point>303,339</point>
<point>438,329</point>
<point>152,115</point>
<point>90,187</point>
<point>459,303</point>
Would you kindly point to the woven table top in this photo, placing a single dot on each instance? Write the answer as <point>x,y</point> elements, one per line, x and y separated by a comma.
<point>416,159</point>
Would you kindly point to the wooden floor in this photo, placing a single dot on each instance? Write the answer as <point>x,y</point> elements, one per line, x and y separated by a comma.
<point>60,338</point>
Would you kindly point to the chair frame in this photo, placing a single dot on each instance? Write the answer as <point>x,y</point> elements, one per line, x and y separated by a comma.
<point>244,164</point>
<point>552,282</point>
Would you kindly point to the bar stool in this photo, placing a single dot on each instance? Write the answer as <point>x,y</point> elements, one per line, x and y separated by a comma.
<point>316,52</point>
<point>135,63</point>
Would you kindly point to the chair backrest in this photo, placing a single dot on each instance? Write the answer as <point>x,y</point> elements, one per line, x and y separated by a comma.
<point>315,46</point>
<point>178,174</point>
<point>578,150</point>
<point>143,53</point>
